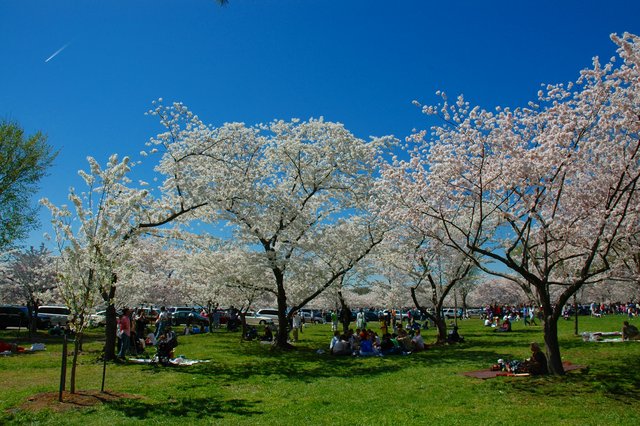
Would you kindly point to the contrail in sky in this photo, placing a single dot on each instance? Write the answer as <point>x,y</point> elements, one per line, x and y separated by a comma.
<point>56,52</point>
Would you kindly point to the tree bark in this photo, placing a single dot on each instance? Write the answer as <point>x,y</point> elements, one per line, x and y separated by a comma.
<point>345,314</point>
<point>74,362</point>
<point>437,319</point>
<point>282,336</point>
<point>551,343</point>
<point>110,333</point>
<point>442,329</point>
<point>243,322</point>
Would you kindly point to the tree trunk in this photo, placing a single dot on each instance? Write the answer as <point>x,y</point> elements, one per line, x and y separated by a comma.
<point>110,333</point>
<point>437,318</point>
<point>282,336</point>
<point>442,329</point>
<point>552,345</point>
<point>575,308</point>
<point>345,314</point>
<point>74,362</point>
<point>210,317</point>
<point>245,330</point>
<point>33,319</point>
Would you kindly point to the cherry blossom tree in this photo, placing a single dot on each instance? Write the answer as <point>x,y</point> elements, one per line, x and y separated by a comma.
<point>27,276</point>
<point>154,274</point>
<point>545,192</point>
<point>502,291</point>
<point>91,240</point>
<point>295,191</point>
<point>428,269</point>
<point>95,239</point>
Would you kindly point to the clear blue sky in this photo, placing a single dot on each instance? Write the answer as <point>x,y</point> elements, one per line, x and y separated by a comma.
<point>359,62</point>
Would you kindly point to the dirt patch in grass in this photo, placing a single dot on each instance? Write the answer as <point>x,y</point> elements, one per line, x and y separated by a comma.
<point>70,401</point>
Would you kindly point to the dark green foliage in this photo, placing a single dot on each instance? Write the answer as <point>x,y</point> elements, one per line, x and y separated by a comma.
<point>23,162</point>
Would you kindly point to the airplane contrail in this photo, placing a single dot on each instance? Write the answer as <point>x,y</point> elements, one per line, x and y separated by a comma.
<point>56,52</point>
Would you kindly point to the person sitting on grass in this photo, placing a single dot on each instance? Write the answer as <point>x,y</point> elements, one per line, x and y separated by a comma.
<point>268,334</point>
<point>252,333</point>
<point>404,340</point>
<point>537,364</point>
<point>454,337</point>
<point>342,347</point>
<point>390,345</point>
<point>367,346</point>
<point>418,341</point>
<point>335,339</point>
<point>505,327</point>
<point>630,332</point>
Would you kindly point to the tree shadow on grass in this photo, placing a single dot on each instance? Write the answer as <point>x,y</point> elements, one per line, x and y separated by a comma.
<point>185,407</point>
<point>612,379</point>
<point>293,368</point>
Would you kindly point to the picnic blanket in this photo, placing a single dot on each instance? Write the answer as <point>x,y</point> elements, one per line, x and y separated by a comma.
<point>602,336</point>
<point>488,374</point>
<point>174,361</point>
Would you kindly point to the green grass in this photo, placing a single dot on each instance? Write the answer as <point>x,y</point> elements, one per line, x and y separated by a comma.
<point>249,383</point>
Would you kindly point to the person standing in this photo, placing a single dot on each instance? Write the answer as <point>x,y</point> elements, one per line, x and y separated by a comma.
<point>141,322</point>
<point>296,325</point>
<point>125,333</point>
<point>334,321</point>
<point>532,315</point>
<point>161,322</point>
<point>360,323</point>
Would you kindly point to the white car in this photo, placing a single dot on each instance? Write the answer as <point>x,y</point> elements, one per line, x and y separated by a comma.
<point>54,315</point>
<point>253,318</point>
<point>271,314</point>
<point>98,319</point>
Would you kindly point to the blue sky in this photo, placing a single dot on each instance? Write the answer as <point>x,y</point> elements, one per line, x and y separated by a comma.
<point>358,62</point>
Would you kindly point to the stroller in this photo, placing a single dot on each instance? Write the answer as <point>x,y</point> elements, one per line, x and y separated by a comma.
<point>165,345</point>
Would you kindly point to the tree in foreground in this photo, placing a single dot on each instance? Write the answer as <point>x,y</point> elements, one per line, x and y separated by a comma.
<point>23,162</point>
<point>296,192</point>
<point>94,241</point>
<point>552,188</point>
<point>103,226</point>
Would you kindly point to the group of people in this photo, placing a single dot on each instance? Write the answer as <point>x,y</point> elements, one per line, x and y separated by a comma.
<point>494,313</point>
<point>132,331</point>
<point>366,342</point>
<point>599,309</point>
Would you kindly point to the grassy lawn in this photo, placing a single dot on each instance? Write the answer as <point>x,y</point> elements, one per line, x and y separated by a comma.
<point>249,383</point>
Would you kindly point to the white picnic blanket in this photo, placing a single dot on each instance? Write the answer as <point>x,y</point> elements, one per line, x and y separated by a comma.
<point>174,361</point>
<point>602,336</point>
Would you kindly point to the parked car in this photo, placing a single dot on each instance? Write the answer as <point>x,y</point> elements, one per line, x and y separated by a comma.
<point>55,315</point>
<point>450,313</point>
<point>475,312</point>
<point>18,316</point>
<point>312,316</point>
<point>252,318</point>
<point>174,309</point>
<point>269,313</point>
<point>401,315</point>
<point>371,316</point>
<point>182,317</point>
<point>98,319</point>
